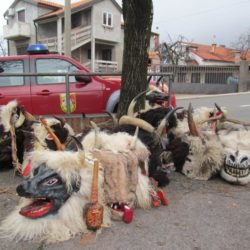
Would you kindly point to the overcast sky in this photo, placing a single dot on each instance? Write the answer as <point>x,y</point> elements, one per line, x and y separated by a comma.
<point>201,21</point>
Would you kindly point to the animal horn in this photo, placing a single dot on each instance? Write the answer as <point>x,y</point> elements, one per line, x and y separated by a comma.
<point>61,119</point>
<point>128,120</point>
<point>96,129</point>
<point>134,101</point>
<point>191,124</point>
<point>114,120</point>
<point>135,138</point>
<point>164,121</point>
<point>28,116</point>
<point>59,145</point>
<point>223,115</point>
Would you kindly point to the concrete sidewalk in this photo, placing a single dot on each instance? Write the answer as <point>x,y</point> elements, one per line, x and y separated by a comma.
<point>194,96</point>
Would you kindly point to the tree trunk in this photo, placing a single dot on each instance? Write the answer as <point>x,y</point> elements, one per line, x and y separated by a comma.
<point>138,16</point>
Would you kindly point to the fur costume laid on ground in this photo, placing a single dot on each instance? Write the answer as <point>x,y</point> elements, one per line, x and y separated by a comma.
<point>197,155</point>
<point>56,192</point>
<point>201,154</point>
<point>29,133</point>
<point>52,208</point>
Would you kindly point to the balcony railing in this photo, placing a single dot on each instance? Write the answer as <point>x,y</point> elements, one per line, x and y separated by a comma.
<point>79,36</point>
<point>18,30</point>
<point>103,66</point>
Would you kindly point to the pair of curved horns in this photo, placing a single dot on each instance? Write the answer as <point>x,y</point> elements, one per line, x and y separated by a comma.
<point>133,102</point>
<point>223,118</point>
<point>61,119</point>
<point>137,122</point>
<point>164,121</point>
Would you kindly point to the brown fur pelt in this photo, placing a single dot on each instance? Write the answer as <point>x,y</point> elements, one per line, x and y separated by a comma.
<point>120,176</point>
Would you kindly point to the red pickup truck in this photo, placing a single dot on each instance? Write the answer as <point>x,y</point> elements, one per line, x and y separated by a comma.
<point>45,95</point>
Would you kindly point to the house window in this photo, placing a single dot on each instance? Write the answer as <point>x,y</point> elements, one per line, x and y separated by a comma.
<point>89,54</point>
<point>106,54</point>
<point>216,78</point>
<point>195,78</point>
<point>21,49</point>
<point>21,15</point>
<point>181,77</point>
<point>107,19</point>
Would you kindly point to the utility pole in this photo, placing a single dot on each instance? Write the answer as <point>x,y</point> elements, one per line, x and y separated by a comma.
<point>67,28</point>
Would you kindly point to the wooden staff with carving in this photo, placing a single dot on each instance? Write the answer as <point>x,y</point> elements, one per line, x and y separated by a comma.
<point>94,214</point>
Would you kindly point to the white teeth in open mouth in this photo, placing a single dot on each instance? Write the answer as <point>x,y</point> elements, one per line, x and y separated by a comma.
<point>42,198</point>
<point>117,205</point>
<point>236,172</point>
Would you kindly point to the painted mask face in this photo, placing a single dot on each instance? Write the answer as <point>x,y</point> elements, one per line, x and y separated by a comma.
<point>236,168</point>
<point>46,189</point>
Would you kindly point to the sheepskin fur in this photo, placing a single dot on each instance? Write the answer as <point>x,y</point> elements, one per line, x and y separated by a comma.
<point>117,142</point>
<point>122,142</point>
<point>205,158</point>
<point>121,177</point>
<point>6,113</point>
<point>69,221</point>
<point>199,115</point>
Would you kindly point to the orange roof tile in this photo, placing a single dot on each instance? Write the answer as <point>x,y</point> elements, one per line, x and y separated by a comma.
<point>57,12</point>
<point>214,53</point>
<point>153,55</point>
<point>52,4</point>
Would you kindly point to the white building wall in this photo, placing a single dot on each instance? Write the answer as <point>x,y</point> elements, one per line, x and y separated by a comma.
<point>102,32</point>
<point>31,12</point>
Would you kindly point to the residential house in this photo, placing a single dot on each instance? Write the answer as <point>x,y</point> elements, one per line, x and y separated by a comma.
<point>211,64</point>
<point>20,29</point>
<point>200,54</point>
<point>97,32</point>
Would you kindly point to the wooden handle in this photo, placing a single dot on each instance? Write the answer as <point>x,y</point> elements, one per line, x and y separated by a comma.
<point>94,191</point>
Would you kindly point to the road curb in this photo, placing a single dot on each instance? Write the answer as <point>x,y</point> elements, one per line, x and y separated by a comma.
<point>188,97</point>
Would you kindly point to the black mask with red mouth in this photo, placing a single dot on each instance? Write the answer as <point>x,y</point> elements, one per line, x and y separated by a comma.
<point>47,190</point>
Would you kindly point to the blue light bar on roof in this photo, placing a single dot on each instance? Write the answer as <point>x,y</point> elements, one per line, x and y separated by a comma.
<point>37,49</point>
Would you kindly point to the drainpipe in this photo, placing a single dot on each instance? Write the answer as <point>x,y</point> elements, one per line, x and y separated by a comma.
<point>35,29</point>
<point>8,41</point>
<point>67,28</point>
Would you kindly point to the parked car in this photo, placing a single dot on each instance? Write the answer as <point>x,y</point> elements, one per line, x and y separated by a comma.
<point>45,95</point>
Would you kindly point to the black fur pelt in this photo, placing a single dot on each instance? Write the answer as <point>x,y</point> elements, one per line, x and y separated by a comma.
<point>155,164</point>
<point>179,150</point>
<point>61,132</point>
<point>154,117</point>
<point>23,133</point>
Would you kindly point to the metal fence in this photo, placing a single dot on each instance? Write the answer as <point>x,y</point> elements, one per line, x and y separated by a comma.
<point>203,74</point>
<point>67,76</point>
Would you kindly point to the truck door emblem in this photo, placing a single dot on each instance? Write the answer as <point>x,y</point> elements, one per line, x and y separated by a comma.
<point>63,103</point>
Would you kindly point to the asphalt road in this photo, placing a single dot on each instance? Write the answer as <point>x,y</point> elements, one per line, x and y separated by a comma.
<point>202,215</point>
<point>238,105</point>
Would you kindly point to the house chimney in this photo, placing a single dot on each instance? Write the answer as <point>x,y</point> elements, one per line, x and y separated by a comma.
<point>156,41</point>
<point>213,46</point>
<point>237,55</point>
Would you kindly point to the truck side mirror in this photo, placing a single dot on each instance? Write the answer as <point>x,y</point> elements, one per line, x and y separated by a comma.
<point>83,79</point>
